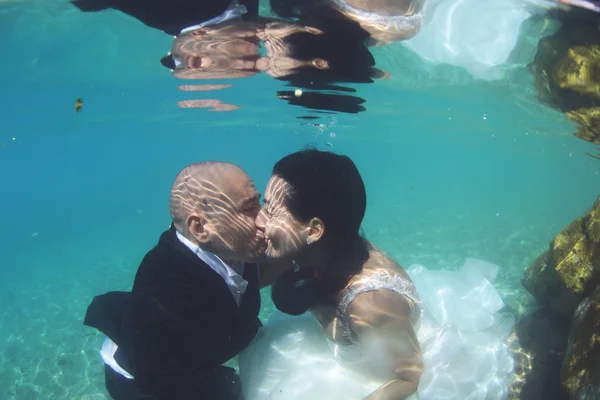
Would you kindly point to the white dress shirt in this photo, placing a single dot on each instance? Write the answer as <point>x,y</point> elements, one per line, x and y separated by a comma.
<point>237,285</point>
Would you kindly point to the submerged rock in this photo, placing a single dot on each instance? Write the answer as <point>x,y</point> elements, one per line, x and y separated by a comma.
<point>581,368</point>
<point>566,331</point>
<point>539,355</point>
<point>570,269</point>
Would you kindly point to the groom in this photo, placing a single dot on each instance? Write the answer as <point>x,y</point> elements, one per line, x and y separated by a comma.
<point>194,302</point>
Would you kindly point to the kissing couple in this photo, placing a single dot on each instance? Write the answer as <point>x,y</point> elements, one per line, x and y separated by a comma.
<point>350,323</point>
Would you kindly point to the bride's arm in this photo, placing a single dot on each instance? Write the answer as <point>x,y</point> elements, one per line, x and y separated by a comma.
<point>383,317</point>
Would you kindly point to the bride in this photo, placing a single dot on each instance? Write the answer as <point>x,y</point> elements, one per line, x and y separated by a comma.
<point>374,331</point>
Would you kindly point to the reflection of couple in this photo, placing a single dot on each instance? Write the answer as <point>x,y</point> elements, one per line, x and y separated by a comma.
<point>369,334</point>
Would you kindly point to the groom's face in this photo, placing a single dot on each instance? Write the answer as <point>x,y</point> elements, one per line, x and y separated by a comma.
<point>220,204</point>
<point>230,213</point>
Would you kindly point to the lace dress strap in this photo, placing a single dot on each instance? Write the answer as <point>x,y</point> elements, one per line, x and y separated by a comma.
<point>376,281</point>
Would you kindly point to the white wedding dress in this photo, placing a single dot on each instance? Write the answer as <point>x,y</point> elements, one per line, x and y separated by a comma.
<point>461,331</point>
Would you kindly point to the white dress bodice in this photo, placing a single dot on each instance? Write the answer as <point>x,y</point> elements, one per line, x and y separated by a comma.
<point>350,351</point>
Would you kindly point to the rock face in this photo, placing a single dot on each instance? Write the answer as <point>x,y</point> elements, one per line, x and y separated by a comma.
<point>558,346</point>
<point>581,368</point>
<point>570,270</point>
<point>539,355</point>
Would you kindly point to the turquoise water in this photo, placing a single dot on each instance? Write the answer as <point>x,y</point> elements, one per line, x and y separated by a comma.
<point>454,169</point>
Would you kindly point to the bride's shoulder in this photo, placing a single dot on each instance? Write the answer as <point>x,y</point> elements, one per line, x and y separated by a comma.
<point>377,309</point>
<point>382,288</point>
<point>379,261</point>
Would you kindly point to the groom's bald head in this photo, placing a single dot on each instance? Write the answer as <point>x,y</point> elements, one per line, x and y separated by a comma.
<point>214,204</point>
<point>195,184</point>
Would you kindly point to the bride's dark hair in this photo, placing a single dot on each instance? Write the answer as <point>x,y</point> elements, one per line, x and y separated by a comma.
<point>328,186</point>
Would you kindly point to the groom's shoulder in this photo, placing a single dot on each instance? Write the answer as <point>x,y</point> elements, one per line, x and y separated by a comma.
<point>158,261</point>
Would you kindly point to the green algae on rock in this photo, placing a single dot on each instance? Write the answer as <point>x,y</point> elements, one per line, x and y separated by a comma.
<point>570,269</point>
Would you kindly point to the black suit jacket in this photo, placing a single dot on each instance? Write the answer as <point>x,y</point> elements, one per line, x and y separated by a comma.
<point>179,324</point>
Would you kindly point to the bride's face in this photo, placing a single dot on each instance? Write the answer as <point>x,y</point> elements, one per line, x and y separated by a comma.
<point>286,236</point>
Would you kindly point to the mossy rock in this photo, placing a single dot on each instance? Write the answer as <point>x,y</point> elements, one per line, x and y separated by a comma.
<point>580,374</point>
<point>538,356</point>
<point>570,269</point>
